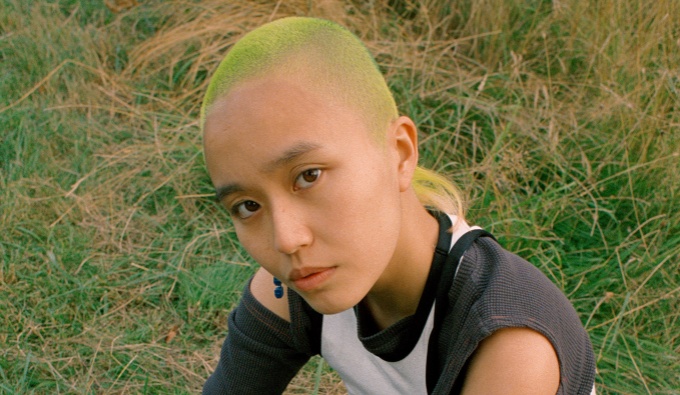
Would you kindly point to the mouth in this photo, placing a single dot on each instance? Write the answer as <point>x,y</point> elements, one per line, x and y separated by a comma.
<point>307,279</point>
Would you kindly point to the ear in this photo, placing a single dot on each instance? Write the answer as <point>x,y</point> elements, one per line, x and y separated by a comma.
<point>404,138</point>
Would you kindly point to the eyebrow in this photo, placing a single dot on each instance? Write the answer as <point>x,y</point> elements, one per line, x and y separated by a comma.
<point>224,191</point>
<point>288,156</point>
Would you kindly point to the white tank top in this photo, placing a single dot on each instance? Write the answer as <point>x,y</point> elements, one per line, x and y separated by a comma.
<point>364,373</point>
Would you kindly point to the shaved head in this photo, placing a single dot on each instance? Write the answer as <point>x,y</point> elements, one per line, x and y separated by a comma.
<point>312,51</point>
<point>327,58</point>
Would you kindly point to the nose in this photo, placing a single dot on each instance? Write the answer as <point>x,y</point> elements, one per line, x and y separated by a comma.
<point>289,230</point>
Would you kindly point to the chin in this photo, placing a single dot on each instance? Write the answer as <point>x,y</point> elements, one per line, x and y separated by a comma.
<point>328,306</point>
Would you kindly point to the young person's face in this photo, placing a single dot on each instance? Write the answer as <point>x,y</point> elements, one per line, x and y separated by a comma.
<point>314,199</point>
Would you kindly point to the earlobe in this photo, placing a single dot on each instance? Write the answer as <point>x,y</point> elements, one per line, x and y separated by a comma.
<point>405,140</point>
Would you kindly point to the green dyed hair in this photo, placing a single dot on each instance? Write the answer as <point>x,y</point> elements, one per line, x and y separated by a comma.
<point>334,61</point>
<point>320,52</point>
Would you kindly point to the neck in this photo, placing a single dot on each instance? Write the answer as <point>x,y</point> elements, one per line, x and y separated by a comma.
<point>397,293</point>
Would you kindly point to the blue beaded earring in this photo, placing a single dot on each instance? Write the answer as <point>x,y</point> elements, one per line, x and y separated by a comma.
<point>278,289</point>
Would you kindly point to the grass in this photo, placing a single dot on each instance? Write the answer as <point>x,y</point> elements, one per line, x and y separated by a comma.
<point>559,120</point>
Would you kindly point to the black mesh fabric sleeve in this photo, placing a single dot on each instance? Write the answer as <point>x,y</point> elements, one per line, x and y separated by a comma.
<point>260,354</point>
<point>496,289</point>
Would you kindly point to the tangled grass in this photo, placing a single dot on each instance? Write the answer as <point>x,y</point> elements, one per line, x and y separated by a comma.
<point>560,120</point>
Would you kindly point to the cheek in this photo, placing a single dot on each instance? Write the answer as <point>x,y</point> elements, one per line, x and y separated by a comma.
<point>365,205</point>
<point>255,244</point>
<point>371,187</point>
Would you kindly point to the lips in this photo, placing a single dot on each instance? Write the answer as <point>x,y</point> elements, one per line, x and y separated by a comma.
<point>309,278</point>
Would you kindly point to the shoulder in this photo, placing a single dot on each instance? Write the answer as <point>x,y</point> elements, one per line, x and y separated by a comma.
<point>508,285</point>
<point>518,314</point>
<point>262,289</point>
<point>513,361</point>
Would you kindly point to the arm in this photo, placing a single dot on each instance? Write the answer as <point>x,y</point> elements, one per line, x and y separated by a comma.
<point>258,356</point>
<point>513,361</point>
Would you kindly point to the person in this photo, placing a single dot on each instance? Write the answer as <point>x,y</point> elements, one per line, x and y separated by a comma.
<point>366,258</point>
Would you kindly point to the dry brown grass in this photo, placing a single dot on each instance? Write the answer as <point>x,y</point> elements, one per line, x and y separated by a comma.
<point>559,119</point>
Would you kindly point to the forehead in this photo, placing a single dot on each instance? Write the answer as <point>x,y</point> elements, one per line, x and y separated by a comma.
<point>259,119</point>
<point>263,102</point>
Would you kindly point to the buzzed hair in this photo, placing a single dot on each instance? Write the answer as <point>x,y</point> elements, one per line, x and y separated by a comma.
<point>324,54</point>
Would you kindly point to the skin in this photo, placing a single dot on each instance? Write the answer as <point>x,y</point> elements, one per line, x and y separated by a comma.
<point>513,361</point>
<point>312,192</point>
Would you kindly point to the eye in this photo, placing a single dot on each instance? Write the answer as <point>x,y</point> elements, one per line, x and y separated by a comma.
<point>245,209</point>
<point>307,178</point>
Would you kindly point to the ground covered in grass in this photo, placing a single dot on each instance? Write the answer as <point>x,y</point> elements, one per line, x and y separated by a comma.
<point>560,121</point>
